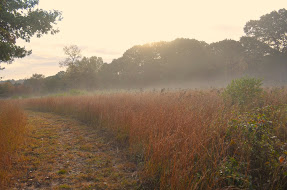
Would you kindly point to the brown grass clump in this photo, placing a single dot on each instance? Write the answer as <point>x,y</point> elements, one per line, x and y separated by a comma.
<point>189,139</point>
<point>12,132</point>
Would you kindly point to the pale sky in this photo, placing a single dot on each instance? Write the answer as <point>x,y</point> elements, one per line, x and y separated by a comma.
<point>107,28</point>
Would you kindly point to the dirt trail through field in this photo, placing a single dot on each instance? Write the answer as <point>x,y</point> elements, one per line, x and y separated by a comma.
<point>63,153</point>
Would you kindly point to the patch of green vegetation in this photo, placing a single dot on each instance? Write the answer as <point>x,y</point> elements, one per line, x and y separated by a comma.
<point>243,91</point>
<point>76,92</point>
<point>62,171</point>
<point>64,186</point>
<point>254,134</point>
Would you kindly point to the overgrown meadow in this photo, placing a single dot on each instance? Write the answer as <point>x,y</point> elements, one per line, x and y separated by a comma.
<point>192,139</point>
<point>12,135</point>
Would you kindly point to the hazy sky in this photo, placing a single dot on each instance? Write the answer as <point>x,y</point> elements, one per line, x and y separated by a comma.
<point>106,28</point>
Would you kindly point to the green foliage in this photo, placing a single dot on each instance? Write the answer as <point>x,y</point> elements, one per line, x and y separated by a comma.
<point>255,50</point>
<point>243,91</point>
<point>76,92</point>
<point>64,186</point>
<point>19,19</point>
<point>62,171</point>
<point>81,73</point>
<point>270,29</point>
<point>232,172</point>
<point>35,83</point>
<point>254,151</point>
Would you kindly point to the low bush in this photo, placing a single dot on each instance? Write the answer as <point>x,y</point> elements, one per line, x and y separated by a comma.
<point>243,91</point>
<point>256,150</point>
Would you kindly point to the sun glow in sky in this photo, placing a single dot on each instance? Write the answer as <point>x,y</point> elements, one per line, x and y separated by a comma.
<point>106,28</point>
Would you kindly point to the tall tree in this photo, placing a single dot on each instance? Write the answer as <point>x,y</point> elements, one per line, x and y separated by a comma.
<point>231,55</point>
<point>81,72</point>
<point>19,19</point>
<point>254,50</point>
<point>73,53</point>
<point>270,29</point>
<point>35,83</point>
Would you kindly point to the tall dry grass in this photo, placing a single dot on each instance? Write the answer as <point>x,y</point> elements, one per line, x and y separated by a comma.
<point>12,133</point>
<point>184,139</point>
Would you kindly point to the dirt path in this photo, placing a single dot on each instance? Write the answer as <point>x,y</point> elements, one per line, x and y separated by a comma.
<point>62,153</point>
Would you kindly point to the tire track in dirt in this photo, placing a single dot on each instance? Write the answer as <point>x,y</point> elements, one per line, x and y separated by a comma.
<point>63,153</point>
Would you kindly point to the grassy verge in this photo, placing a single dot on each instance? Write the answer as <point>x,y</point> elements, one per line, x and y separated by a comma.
<point>63,153</point>
<point>12,135</point>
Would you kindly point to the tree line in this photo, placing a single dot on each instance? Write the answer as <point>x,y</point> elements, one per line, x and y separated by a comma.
<point>261,52</point>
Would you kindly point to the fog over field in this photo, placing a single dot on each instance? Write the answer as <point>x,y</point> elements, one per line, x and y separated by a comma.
<point>143,94</point>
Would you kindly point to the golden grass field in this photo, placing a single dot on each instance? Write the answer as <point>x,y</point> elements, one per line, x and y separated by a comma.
<point>12,135</point>
<point>188,139</point>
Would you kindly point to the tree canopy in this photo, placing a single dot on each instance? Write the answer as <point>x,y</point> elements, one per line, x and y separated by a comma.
<point>81,72</point>
<point>270,29</point>
<point>178,63</point>
<point>20,19</point>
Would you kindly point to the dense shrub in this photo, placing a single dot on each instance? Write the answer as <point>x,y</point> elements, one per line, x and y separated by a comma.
<point>243,91</point>
<point>255,149</point>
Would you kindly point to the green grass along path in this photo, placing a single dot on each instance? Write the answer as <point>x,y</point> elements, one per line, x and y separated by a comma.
<point>63,153</point>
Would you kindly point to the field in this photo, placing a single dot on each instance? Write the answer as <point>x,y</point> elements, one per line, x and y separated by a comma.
<point>182,139</point>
